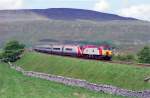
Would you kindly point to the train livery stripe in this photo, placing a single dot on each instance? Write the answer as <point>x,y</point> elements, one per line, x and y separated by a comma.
<point>100,52</point>
<point>79,51</point>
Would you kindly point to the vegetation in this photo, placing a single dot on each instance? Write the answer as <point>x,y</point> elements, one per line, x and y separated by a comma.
<point>15,85</point>
<point>99,42</point>
<point>1,54</point>
<point>144,55</point>
<point>12,51</point>
<point>29,29</point>
<point>124,76</point>
<point>127,58</point>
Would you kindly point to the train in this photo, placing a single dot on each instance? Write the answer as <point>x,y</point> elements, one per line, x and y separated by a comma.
<point>83,51</point>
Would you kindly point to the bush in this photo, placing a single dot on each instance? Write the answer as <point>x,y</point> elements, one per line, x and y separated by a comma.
<point>144,55</point>
<point>12,51</point>
<point>128,57</point>
<point>1,56</point>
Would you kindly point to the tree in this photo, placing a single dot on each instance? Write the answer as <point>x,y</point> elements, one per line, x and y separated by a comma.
<point>144,55</point>
<point>12,51</point>
<point>0,55</point>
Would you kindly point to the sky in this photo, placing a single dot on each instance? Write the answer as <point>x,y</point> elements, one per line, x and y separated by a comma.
<point>129,8</point>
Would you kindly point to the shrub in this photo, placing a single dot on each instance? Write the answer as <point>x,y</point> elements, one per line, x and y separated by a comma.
<point>12,51</point>
<point>128,57</point>
<point>144,55</point>
<point>1,56</point>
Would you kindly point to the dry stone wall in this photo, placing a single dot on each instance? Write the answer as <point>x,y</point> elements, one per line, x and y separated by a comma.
<point>84,84</point>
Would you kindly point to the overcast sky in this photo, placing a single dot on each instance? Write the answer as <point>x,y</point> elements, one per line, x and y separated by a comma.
<point>130,8</point>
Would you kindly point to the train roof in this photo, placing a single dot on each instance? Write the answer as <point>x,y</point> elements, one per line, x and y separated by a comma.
<point>94,46</point>
<point>73,45</point>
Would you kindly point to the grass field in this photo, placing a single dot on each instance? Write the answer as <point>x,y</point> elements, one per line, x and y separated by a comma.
<point>124,76</point>
<point>15,85</point>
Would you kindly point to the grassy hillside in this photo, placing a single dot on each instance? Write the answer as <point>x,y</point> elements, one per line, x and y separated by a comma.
<point>120,32</point>
<point>73,25</point>
<point>124,76</point>
<point>15,85</point>
<point>61,14</point>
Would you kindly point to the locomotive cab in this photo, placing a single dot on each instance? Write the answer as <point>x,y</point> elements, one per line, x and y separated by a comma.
<point>97,52</point>
<point>106,52</point>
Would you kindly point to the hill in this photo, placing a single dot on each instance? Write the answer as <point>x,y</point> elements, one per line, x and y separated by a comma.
<point>61,24</point>
<point>61,14</point>
<point>13,84</point>
<point>124,76</point>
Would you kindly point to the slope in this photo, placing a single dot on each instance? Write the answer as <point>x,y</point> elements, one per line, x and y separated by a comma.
<point>13,84</point>
<point>124,76</point>
<point>71,24</point>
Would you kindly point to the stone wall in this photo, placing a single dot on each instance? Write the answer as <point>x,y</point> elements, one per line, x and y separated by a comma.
<point>84,84</point>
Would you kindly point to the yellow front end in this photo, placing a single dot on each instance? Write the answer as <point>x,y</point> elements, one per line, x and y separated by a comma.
<point>107,53</point>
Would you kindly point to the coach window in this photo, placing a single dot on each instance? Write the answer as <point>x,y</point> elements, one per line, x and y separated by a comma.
<point>69,49</point>
<point>56,48</point>
<point>93,50</point>
<point>48,48</point>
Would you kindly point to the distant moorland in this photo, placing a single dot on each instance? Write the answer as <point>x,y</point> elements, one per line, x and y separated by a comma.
<point>61,24</point>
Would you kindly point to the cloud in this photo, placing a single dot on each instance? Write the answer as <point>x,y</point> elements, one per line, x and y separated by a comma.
<point>126,1</point>
<point>101,5</point>
<point>11,4</point>
<point>137,11</point>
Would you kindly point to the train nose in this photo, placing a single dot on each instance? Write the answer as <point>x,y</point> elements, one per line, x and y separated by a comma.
<point>108,53</point>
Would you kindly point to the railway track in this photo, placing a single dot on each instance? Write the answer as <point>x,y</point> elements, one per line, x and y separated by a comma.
<point>129,63</point>
<point>120,62</point>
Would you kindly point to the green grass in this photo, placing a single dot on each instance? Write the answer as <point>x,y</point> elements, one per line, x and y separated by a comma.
<point>124,76</point>
<point>15,85</point>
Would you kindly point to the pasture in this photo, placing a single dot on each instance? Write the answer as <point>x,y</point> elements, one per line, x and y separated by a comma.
<point>15,85</point>
<point>120,75</point>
